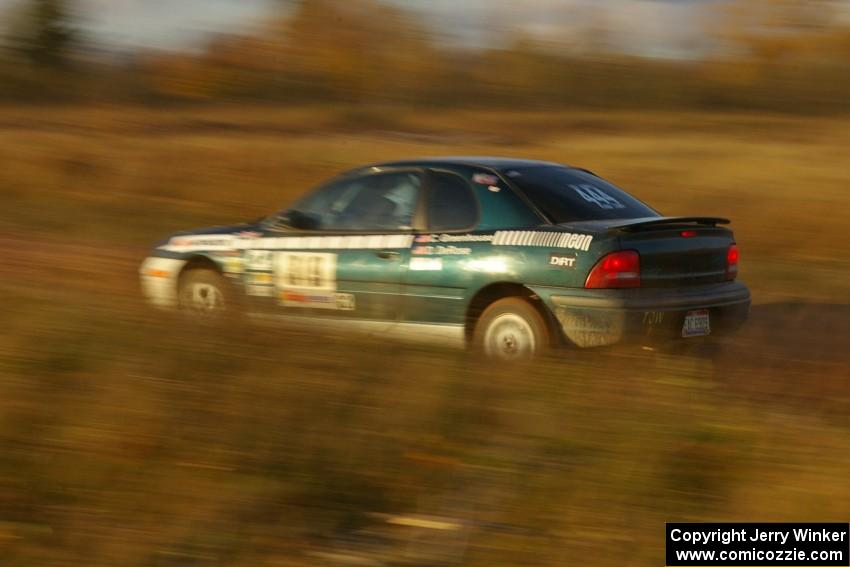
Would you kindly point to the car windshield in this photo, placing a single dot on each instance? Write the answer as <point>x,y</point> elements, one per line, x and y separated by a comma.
<point>568,195</point>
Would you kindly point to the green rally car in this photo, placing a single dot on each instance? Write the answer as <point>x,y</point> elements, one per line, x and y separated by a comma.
<point>513,257</point>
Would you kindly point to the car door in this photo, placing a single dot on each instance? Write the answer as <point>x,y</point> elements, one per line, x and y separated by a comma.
<point>341,252</point>
<point>440,270</point>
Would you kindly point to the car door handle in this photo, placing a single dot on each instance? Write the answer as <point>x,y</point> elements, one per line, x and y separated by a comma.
<point>387,254</point>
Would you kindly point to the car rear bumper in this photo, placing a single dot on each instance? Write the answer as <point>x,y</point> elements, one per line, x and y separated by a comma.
<point>647,315</point>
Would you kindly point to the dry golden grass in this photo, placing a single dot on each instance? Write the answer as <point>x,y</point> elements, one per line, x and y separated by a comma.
<point>132,438</point>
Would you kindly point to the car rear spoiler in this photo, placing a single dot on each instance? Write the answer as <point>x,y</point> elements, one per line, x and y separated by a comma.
<point>629,225</point>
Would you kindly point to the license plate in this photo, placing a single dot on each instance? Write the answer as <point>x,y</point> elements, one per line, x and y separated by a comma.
<point>696,324</point>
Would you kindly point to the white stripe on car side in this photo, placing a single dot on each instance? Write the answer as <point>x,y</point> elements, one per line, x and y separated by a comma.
<point>220,243</point>
<point>223,243</point>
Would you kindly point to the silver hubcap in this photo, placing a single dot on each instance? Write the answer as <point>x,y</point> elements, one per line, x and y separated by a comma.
<point>203,298</point>
<point>509,337</point>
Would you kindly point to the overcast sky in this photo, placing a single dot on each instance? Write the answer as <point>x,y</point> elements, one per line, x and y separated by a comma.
<point>648,27</point>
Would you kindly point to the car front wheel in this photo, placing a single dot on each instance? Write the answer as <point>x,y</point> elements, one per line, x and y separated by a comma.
<point>512,329</point>
<point>204,293</point>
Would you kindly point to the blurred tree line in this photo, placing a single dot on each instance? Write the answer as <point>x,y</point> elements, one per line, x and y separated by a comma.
<point>776,55</point>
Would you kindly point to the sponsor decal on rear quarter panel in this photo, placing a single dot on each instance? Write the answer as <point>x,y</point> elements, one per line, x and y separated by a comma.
<point>562,260</point>
<point>547,239</point>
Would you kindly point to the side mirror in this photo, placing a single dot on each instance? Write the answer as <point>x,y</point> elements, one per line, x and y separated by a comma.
<point>299,220</point>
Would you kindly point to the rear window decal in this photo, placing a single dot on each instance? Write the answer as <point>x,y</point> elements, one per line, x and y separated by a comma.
<point>596,196</point>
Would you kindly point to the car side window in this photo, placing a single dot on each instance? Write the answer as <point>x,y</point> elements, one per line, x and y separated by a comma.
<point>451,204</point>
<point>379,202</point>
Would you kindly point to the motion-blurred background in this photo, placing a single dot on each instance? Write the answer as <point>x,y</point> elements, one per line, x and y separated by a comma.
<point>131,438</point>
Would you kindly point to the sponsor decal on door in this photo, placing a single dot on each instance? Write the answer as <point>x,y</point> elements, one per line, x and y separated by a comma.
<point>308,279</point>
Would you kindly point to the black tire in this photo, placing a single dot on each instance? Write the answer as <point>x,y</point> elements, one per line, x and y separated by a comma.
<point>205,293</point>
<point>512,329</point>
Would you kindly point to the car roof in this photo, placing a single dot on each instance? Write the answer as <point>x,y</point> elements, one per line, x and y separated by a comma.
<point>490,162</point>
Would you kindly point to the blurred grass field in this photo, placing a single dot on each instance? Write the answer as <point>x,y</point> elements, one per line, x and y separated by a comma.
<point>132,438</point>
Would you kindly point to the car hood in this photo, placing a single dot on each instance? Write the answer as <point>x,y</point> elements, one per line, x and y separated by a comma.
<point>228,229</point>
<point>223,230</point>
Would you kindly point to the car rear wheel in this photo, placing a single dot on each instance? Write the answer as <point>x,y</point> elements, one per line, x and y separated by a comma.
<point>204,293</point>
<point>512,329</point>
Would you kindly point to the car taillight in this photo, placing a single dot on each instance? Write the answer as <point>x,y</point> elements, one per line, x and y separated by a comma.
<point>616,270</point>
<point>732,262</point>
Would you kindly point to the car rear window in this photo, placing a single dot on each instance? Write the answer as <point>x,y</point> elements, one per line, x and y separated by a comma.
<point>569,195</point>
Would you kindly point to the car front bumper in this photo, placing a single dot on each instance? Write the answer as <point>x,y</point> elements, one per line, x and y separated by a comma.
<point>646,315</point>
<point>159,280</point>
